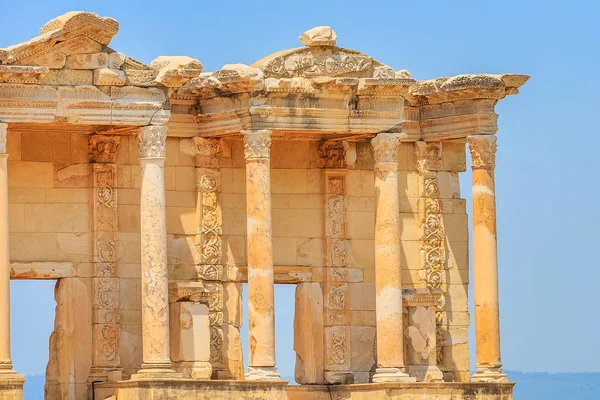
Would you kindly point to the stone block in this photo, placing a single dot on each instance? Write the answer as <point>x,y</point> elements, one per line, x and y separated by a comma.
<point>57,218</point>
<point>181,221</point>
<point>239,181</point>
<point>75,247</point>
<point>75,175</point>
<point>303,223</point>
<point>234,250</point>
<point>290,154</point>
<point>130,297</point>
<point>67,195</point>
<point>361,224</point>
<point>284,251</point>
<point>16,217</point>
<point>362,346</point>
<point>232,304</point>
<point>454,156</point>
<point>289,181</point>
<point>109,77</point>
<point>314,181</point>
<point>458,255</point>
<point>13,144</point>
<point>28,195</point>
<point>180,199</point>
<point>420,335</point>
<point>410,257</point>
<point>33,246</point>
<point>362,296</point>
<point>185,179</point>
<point>308,334</point>
<point>409,227</point>
<point>362,253</point>
<point>315,201</point>
<point>190,339</point>
<point>233,200</point>
<point>181,250</point>
<point>234,222</point>
<point>457,227</point>
<point>233,357</point>
<point>67,77</point>
<point>362,318</point>
<point>26,174</point>
<point>360,203</point>
<point>280,200</point>
<point>310,252</point>
<point>456,357</point>
<point>130,245</point>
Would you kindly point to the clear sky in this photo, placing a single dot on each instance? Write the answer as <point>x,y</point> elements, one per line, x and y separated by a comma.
<point>547,164</point>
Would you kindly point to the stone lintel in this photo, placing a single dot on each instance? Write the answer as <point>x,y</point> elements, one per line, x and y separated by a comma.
<point>41,270</point>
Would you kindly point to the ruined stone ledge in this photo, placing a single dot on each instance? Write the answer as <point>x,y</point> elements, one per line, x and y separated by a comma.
<point>404,391</point>
<point>188,389</point>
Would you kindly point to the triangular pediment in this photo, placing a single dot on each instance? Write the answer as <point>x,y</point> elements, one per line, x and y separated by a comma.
<point>322,58</point>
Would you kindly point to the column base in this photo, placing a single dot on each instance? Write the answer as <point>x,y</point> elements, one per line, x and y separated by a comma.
<point>263,374</point>
<point>426,373</point>
<point>339,377</point>
<point>489,375</point>
<point>11,385</point>
<point>198,370</point>
<point>392,375</point>
<point>156,371</point>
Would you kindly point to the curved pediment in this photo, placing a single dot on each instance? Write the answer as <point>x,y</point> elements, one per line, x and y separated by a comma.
<point>322,58</point>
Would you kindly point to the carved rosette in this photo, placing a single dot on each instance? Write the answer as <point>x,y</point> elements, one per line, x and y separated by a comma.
<point>433,249</point>
<point>257,144</point>
<point>153,141</point>
<point>3,132</point>
<point>336,307</point>
<point>105,283</point>
<point>103,149</point>
<point>483,151</point>
<point>385,147</point>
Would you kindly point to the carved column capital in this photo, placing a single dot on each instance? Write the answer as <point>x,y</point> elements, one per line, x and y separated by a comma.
<point>153,141</point>
<point>385,146</point>
<point>429,155</point>
<point>103,148</point>
<point>208,152</point>
<point>3,132</point>
<point>257,144</point>
<point>483,151</point>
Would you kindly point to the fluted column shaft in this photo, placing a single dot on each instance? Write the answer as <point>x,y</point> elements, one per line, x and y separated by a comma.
<point>485,260</point>
<point>388,279</point>
<point>261,290</point>
<point>155,305</point>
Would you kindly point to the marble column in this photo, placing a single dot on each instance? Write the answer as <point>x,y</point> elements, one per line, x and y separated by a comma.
<point>10,382</point>
<point>156,355</point>
<point>485,260</point>
<point>261,288</point>
<point>388,280</point>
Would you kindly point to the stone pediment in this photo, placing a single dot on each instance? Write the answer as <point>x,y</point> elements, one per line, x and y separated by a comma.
<point>75,32</point>
<point>321,58</point>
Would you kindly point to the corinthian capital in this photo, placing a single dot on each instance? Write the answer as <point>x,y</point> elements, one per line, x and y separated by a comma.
<point>3,130</point>
<point>257,144</point>
<point>103,149</point>
<point>153,141</point>
<point>483,151</point>
<point>385,146</point>
<point>429,155</point>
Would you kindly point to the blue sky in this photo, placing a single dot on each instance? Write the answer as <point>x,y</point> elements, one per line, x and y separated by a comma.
<point>547,169</point>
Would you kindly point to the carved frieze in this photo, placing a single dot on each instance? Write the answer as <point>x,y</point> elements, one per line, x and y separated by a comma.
<point>429,155</point>
<point>337,348</point>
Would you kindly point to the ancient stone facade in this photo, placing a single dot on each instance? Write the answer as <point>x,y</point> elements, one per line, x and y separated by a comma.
<point>153,192</point>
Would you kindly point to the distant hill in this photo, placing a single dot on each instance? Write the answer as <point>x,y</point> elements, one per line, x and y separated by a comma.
<point>530,386</point>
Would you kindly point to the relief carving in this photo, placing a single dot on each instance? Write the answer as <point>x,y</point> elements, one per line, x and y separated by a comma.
<point>385,147</point>
<point>429,156</point>
<point>257,144</point>
<point>103,149</point>
<point>483,151</point>
<point>332,154</point>
<point>153,141</point>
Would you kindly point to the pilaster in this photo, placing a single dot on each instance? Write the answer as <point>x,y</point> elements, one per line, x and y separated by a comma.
<point>105,282</point>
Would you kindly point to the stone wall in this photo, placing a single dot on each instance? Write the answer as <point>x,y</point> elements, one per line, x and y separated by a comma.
<point>50,220</point>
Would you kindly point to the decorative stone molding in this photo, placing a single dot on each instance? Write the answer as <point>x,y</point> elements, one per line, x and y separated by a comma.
<point>257,144</point>
<point>153,141</point>
<point>483,151</point>
<point>105,282</point>
<point>103,149</point>
<point>175,71</point>
<point>22,74</point>
<point>3,134</point>
<point>385,146</point>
